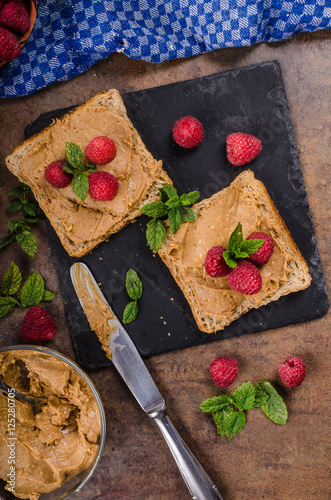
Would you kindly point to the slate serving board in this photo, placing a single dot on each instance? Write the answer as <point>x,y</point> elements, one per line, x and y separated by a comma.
<point>253,100</point>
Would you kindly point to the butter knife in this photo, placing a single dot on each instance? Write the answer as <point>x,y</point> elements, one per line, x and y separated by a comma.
<point>127,360</point>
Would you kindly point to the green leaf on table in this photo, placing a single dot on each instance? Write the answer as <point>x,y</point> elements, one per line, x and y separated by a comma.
<point>7,304</point>
<point>9,238</point>
<point>154,209</point>
<point>190,198</point>
<point>33,290</point>
<point>244,396</point>
<point>187,214</point>
<point>27,241</point>
<point>274,407</point>
<point>260,396</point>
<point>48,296</point>
<point>20,190</point>
<point>32,209</point>
<point>234,424</point>
<point>215,403</point>
<point>221,417</point>
<point>11,280</point>
<point>175,219</point>
<point>169,190</point>
<point>155,234</point>
<point>14,205</point>
<point>173,202</point>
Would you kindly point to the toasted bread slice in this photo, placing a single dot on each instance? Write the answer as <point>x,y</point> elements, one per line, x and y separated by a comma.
<point>83,225</point>
<point>214,305</point>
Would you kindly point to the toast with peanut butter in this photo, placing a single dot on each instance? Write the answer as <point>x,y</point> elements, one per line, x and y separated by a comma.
<point>81,225</point>
<point>213,303</point>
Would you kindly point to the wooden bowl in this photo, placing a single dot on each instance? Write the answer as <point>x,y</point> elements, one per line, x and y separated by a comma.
<point>32,8</point>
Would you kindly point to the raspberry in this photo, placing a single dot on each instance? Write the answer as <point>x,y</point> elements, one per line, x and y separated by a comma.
<point>103,185</point>
<point>37,325</point>
<point>100,150</point>
<point>10,47</point>
<point>188,132</point>
<point>215,264</point>
<point>15,17</point>
<point>245,278</point>
<point>292,371</point>
<point>263,254</point>
<point>56,176</point>
<point>223,371</point>
<point>242,148</point>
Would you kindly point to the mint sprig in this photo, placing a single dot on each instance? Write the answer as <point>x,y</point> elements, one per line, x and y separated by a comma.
<point>238,248</point>
<point>79,167</point>
<point>19,228</point>
<point>134,289</point>
<point>228,410</point>
<point>31,294</point>
<point>172,206</point>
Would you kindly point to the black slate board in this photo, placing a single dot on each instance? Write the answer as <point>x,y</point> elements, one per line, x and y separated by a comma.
<point>250,99</point>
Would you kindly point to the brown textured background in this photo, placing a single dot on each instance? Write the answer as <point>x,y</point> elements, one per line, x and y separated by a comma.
<point>265,461</point>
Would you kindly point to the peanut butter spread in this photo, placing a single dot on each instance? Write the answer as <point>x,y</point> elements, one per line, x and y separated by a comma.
<point>55,444</point>
<point>89,219</point>
<point>188,248</point>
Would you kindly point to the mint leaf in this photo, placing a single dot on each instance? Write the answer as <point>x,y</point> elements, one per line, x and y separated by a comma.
<point>11,280</point>
<point>274,407</point>
<point>14,205</point>
<point>154,209</point>
<point>229,260</point>
<point>16,224</point>
<point>133,285</point>
<point>155,234</point>
<point>32,209</point>
<point>244,396</point>
<point>7,304</point>
<point>175,219</point>
<point>27,241</point>
<point>74,154</point>
<point>215,404</point>
<point>32,291</point>
<point>7,239</point>
<point>260,396</point>
<point>234,424</point>
<point>221,418</point>
<point>19,190</point>
<point>187,214</point>
<point>169,190</point>
<point>236,238</point>
<point>68,168</point>
<point>163,196</point>
<point>190,198</point>
<point>173,202</point>
<point>80,184</point>
<point>130,312</point>
<point>47,296</point>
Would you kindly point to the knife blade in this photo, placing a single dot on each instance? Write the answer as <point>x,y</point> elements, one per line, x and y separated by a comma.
<point>123,353</point>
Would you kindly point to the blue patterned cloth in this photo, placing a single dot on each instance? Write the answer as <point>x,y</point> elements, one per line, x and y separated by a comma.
<point>71,35</point>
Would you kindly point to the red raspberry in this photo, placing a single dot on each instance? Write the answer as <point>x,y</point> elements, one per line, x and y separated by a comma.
<point>215,264</point>
<point>100,150</point>
<point>223,371</point>
<point>245,278</point>
<point>242,148</point>
<point>56,176</point>
<point>15,17</point>
<point>292,371</point>
<point>188,132</point>
<point>10,47</point>
<point>37,325</point>
<point>103,185</point>
<point>263,254</point>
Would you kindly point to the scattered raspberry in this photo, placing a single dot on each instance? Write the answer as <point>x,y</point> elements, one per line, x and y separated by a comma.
<point>100,150</point>
<point>223,371</point>
<point>56,176</point>
<point>103,185</point>
<point>215,264</point>
<point>263,254</point>
<point>15,17</point>
<point>245,278</point>
<point>10,47</point>
<point>242,148</point>
<point>292,371</point>
<point>37,325</point>
<point>188,132</point>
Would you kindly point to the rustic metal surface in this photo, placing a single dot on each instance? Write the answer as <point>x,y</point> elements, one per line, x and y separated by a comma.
<point>265,460</point>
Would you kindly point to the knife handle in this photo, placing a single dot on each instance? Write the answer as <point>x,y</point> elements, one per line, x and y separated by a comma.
<point>196,478</point>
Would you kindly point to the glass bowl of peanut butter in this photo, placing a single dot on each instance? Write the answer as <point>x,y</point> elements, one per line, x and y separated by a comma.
<point>48,450</point>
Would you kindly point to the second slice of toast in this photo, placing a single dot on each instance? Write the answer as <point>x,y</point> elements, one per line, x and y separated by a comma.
<point>213,303</point>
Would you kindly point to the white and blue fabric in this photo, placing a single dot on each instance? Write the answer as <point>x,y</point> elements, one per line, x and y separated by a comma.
<point>70,36</point>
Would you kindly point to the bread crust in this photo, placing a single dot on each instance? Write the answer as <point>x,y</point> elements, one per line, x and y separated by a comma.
<point>298,279</point>
<point>113,101</point>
